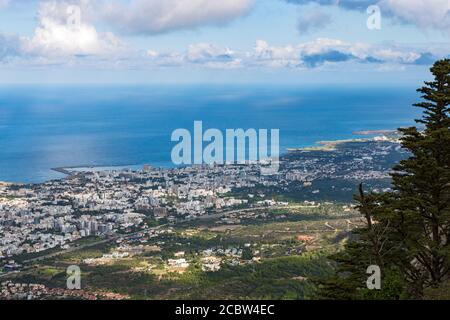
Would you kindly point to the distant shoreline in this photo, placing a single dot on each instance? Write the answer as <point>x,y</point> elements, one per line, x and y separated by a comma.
<point>373,132</point>
<point>326,146</point>
<point>331,145</point>
<point>66,170</point>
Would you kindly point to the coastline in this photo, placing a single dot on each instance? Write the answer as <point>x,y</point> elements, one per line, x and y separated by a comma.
<point>81,168</point>
<point>328,145</point>
<point>324,146</point>
<point>378,135</point>
<point>374,132</point>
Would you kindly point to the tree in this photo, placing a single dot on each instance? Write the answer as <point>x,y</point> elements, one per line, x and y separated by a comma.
<point>422,187</point>
<point>407,231</point>
<point>367,246</point>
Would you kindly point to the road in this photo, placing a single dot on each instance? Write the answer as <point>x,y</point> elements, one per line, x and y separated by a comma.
<point>72,249</point>
<point>89,245</point>
<point>223,214</point>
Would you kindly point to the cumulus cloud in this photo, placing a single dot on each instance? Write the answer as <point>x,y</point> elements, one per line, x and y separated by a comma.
<point>266,55</point>
<point>325,51</point>
<point>200,54</point>
<point>321,52</point>
<point>422,13</point>
<point>61,31</point>
<point>59,40</point>
<point>205,52</point>
<point>155,16</point>
<point>56,40</point>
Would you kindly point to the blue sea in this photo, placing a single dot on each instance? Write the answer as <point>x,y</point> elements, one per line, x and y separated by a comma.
<point>43,127</point>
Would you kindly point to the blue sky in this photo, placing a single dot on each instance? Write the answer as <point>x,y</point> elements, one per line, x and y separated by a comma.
<point>204,41</point>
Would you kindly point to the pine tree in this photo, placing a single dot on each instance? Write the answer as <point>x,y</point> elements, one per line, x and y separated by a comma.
<point>422,188</point>
<point>407,231</point>
<point>367,246</point>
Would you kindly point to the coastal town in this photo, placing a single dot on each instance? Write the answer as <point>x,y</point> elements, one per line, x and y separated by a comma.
<point>158,212</point>
<point>37,218</point>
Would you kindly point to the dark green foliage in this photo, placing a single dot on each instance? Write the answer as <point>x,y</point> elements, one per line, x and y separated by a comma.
<point>279,278</point>
<point>408,230</point>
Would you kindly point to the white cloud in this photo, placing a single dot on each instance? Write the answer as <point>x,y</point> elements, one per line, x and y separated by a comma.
<point>155,16</point>
<point>61,32</point>
<point>422,13</point>
<point>266,55</point>
<point>323,44</point>
<point>321,52</point>
<point>206,52</point>
<point>57,41</point>
<point>325,51</point>
<point>200,54</point>
<point>388,54</point>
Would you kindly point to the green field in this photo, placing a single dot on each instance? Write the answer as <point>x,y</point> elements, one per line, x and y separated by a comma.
<point>283,269</point>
